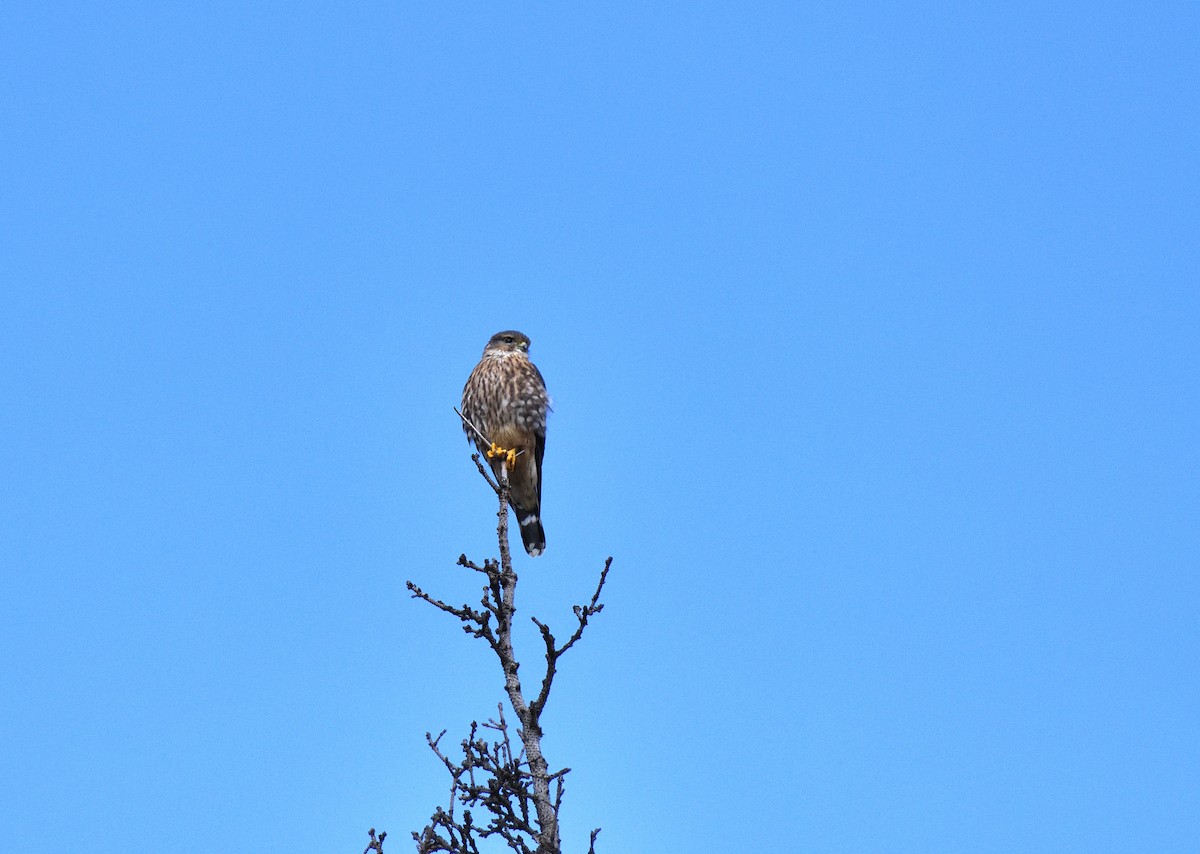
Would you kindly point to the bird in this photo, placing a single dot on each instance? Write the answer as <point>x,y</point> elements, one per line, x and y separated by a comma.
<point>504,408</point>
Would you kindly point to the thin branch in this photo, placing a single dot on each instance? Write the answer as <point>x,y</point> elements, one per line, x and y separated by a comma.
<point>376,842</point>
<point>553,654</point>
<point>486,441</point>
<point>475,623</point>
<point>583,612</point>
<point>483,471</point>
<point>468,423</point>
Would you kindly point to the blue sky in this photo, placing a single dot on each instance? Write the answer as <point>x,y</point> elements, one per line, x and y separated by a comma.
<point>872,333</point>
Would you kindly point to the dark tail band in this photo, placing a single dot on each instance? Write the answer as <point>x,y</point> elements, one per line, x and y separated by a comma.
<point>532,533</point>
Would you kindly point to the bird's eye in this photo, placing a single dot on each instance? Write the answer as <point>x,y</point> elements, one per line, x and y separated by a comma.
<point>508,339</point>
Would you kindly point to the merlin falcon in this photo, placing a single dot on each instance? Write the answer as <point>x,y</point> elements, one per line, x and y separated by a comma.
<point>505,400</point>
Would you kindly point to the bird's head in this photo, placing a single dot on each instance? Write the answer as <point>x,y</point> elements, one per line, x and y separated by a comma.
<point>510,341</point>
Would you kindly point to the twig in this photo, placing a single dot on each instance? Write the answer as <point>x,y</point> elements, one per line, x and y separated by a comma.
<point>478,432</point>
<point>376,842</point>
<point>553,654</point>
<point>483,471</point>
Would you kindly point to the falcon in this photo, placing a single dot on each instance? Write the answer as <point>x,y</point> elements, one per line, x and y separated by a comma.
<point>504,406</point>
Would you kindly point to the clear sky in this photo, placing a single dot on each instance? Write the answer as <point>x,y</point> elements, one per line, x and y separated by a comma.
<point>873,333</point>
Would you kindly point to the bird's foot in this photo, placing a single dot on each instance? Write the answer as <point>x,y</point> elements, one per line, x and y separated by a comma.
<point>509,454</point>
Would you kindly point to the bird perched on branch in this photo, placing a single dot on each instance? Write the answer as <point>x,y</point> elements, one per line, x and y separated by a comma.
<point>504,408</point>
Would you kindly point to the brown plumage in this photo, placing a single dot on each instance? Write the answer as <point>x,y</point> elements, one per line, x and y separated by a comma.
<point>505,398</point>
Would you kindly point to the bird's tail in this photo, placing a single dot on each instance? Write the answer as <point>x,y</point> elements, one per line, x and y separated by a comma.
<point>532,533</point>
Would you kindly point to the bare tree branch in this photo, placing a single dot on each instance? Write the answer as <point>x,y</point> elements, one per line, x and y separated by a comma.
<point>582,613</point>
<point>376,842</point>
<point>513,788</point>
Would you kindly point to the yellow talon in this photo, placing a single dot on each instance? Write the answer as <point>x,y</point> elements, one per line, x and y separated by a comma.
<point>496,451</point>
